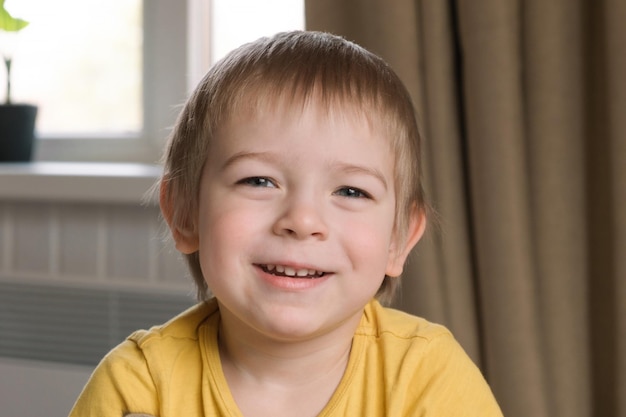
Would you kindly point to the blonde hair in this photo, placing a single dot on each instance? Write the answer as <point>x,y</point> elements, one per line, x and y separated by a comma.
<point>298,67</point>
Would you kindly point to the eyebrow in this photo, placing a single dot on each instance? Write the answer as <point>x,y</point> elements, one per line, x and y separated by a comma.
<point>360,169</point>
<point>239,156</point>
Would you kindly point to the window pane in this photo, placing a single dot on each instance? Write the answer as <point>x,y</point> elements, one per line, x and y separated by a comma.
<point>236,22</point>
<point>80,62</point>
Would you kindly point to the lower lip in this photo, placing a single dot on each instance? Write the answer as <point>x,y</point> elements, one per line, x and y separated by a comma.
<point>292,284</point>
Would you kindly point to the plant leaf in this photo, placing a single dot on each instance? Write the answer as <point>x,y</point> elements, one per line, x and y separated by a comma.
<point>10,23</point>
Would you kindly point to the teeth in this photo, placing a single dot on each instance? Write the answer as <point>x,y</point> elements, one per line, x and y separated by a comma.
<point>292,272</point>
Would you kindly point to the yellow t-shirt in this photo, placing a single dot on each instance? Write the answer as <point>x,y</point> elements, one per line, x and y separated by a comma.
<point>399,365</point>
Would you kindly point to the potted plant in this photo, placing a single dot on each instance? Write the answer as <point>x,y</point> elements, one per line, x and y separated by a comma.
<point>17,121</point>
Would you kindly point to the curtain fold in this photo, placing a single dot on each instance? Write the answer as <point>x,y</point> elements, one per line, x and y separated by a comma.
<point>523,108</point>
<point>615,13</point>
<point>554,109</point>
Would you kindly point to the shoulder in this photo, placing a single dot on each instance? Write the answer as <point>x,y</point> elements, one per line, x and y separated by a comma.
<point>121,381</point>
<point>183,327</point>
<point>412,343</point>
<point>408,341</point>
<point>425,358</point>
<point>147,372</point>
<point>135,353</point>
<point>171,350</point>
<point>384,322</point>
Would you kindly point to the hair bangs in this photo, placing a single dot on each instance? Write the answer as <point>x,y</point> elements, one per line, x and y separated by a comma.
<point>294,70</point>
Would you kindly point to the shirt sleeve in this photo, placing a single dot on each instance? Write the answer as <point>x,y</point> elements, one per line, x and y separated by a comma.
<point>121,384</point>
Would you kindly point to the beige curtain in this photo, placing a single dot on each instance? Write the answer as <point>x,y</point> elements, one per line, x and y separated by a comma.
<point>523,106</point>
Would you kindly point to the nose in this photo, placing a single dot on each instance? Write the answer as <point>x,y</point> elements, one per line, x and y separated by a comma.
<point>301,218</point>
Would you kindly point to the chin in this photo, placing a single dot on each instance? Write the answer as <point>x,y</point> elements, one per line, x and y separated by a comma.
<point>293,325</point>
<point>287,328</point>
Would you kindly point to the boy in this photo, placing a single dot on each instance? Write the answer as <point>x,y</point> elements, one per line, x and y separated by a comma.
<point>292,185</point>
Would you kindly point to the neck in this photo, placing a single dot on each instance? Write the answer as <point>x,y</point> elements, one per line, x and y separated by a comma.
<point>259,359</point>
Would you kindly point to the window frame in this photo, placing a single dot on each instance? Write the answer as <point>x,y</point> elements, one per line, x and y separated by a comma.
<point>164,88</point>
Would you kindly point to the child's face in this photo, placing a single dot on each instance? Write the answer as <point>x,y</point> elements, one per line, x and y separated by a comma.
<point>286,194</point>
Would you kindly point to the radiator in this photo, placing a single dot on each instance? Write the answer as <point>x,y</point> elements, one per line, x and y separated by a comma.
<point>76,279</point>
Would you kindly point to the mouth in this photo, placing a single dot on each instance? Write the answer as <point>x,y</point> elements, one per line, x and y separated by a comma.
<point>290,272</point>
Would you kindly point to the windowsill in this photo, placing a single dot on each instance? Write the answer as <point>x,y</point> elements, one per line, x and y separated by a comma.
<point>77,182</point>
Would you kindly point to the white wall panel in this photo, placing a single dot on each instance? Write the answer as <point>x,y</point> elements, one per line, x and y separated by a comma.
<point>128,245</point>
<point>103,244</point>
<point>31,237</point>
<point>78,239</point>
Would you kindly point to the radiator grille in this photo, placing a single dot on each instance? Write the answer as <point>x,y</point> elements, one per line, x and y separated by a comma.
<point>76,325</point>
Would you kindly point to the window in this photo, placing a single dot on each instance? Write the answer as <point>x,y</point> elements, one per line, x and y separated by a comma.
<point>109,75</point>
<point>218,26</point>
<point>254,19</point>
<point>80,62</point>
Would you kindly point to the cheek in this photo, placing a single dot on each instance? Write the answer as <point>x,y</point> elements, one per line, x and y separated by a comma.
<point>225,227</point>
<point>222,219</point>
<point>223,235</point>
<point>368,242</point>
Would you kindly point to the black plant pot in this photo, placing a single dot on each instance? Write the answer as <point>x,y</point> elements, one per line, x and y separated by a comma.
<point>17,132</point>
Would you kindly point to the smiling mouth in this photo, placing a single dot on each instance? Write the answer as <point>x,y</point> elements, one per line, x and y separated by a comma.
<point>285,271</point>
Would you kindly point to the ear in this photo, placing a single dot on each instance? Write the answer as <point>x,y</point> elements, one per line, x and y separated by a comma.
<point>186,239</point>
<point>399,250</point>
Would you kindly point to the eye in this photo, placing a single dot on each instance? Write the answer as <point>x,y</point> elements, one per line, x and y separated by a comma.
<point>258,182</point>
<point>352,192</point>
